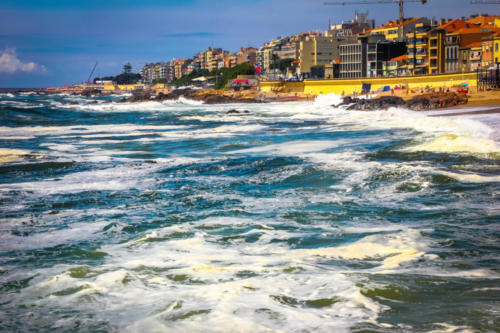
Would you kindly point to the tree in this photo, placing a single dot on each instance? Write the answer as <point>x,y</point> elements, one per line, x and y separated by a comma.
<point>224,75</point>
<point>127,68</point>
<point>124,78</point>
<point>274,61</point>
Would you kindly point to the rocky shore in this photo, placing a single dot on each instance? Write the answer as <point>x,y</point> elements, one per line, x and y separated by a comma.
<point>423,102</point>
<point>205,96</point>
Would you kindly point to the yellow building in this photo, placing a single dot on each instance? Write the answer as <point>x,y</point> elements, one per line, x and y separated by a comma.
<point>436,52</point>
<point>425,54</point>
<point>390,29</point>
<point>316,51</point>
<point>496,54</point>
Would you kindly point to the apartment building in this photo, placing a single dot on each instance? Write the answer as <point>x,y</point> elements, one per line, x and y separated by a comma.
<point>317,51</point>
<point>391,29</point>
<point>248,54</point>
<point>268,53</point>
<point>160,70</point>
<point>358,25</point>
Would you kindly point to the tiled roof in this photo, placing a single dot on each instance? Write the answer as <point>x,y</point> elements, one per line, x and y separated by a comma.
<point>395,24</point>
<point>472,45</point>
<point>483,20</point>
<point>453,25</point>
<point>400,58</point>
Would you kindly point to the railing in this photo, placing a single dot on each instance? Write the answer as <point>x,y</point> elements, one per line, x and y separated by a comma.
<point>488,78</point>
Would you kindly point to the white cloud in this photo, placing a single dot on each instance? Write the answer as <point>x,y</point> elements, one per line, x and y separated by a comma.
<point>9,63</point>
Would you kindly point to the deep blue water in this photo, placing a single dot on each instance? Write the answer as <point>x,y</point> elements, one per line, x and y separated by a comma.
<point>296,217</point>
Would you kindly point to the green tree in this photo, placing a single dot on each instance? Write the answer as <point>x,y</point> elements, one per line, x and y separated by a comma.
<point>274,61</point>
<point>224,75</point>
<point>127,68</point>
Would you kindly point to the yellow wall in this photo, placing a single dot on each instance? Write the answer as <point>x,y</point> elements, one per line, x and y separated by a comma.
<point>496,50</point>
<point>388,32</point>
<point>159,86</point>
<point>130,87</point>
<point>318,87</point>
<point>110,87</point>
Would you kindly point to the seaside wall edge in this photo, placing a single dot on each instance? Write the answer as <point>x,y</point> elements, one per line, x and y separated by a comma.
<point>339,86</point>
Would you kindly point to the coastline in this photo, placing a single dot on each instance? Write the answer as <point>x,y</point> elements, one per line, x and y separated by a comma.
<point>210,96</point>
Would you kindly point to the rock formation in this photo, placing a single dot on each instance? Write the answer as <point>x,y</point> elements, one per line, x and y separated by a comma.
<point>422,102</point>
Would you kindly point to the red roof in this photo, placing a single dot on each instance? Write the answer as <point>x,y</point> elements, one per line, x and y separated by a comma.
<point>403,57</point>
<point>395,24</point>
<point>483,20</point>
<point>453,25</point>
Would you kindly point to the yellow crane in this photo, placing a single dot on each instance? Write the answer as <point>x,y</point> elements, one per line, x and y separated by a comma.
<point>375,2</point>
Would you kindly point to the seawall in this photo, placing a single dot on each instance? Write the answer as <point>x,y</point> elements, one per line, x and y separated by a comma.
<point>350,86</point>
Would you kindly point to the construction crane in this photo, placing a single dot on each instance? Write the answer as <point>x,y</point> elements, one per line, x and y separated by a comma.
<point>375,2</point>
<point>485,2</point>
<point>92,72</point>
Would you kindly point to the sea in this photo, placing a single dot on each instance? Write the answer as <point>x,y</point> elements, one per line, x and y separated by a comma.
<point>178,216</point>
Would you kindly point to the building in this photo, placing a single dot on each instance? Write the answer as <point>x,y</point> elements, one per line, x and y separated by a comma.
<point>396,66</point>
<point>496,40</point>
<point>317,51</point>
<point>290,49</point>
<point>391,29</point>
<point>230,61</point>
<point>487,53</point>
<point>155,71</point>
<point>268,54</point>
<point>444,48</point>
<point>360,24</point>
<point>209,59</point>
<point>419,50</point>
<point>352,55</point>
<point>496,51</point>
<point>248,54</point>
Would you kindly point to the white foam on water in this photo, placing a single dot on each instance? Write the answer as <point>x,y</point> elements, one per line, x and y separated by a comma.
<point>12,155</point>
<point>471,177</point>
<point>467,134</point>
<point>75,232</point>
<point>9,95</point>
<point>117,178</point>
<point>327,100</point>
<point>292,148</point>
<point>449,328</point>
<point>165,280</point>
<point>21,105</point>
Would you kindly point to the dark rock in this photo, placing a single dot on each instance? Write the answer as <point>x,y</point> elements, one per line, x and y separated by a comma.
<point>232,111</point>
<point>73,103</point>
<point>92,102</point>
<point>418,103</point>
<point>90,92</point>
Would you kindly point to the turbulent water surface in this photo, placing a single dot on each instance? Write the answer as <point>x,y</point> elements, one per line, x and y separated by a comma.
<point>297,217</point>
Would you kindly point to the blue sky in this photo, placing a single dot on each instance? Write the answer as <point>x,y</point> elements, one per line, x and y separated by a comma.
<point>55,42</point>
